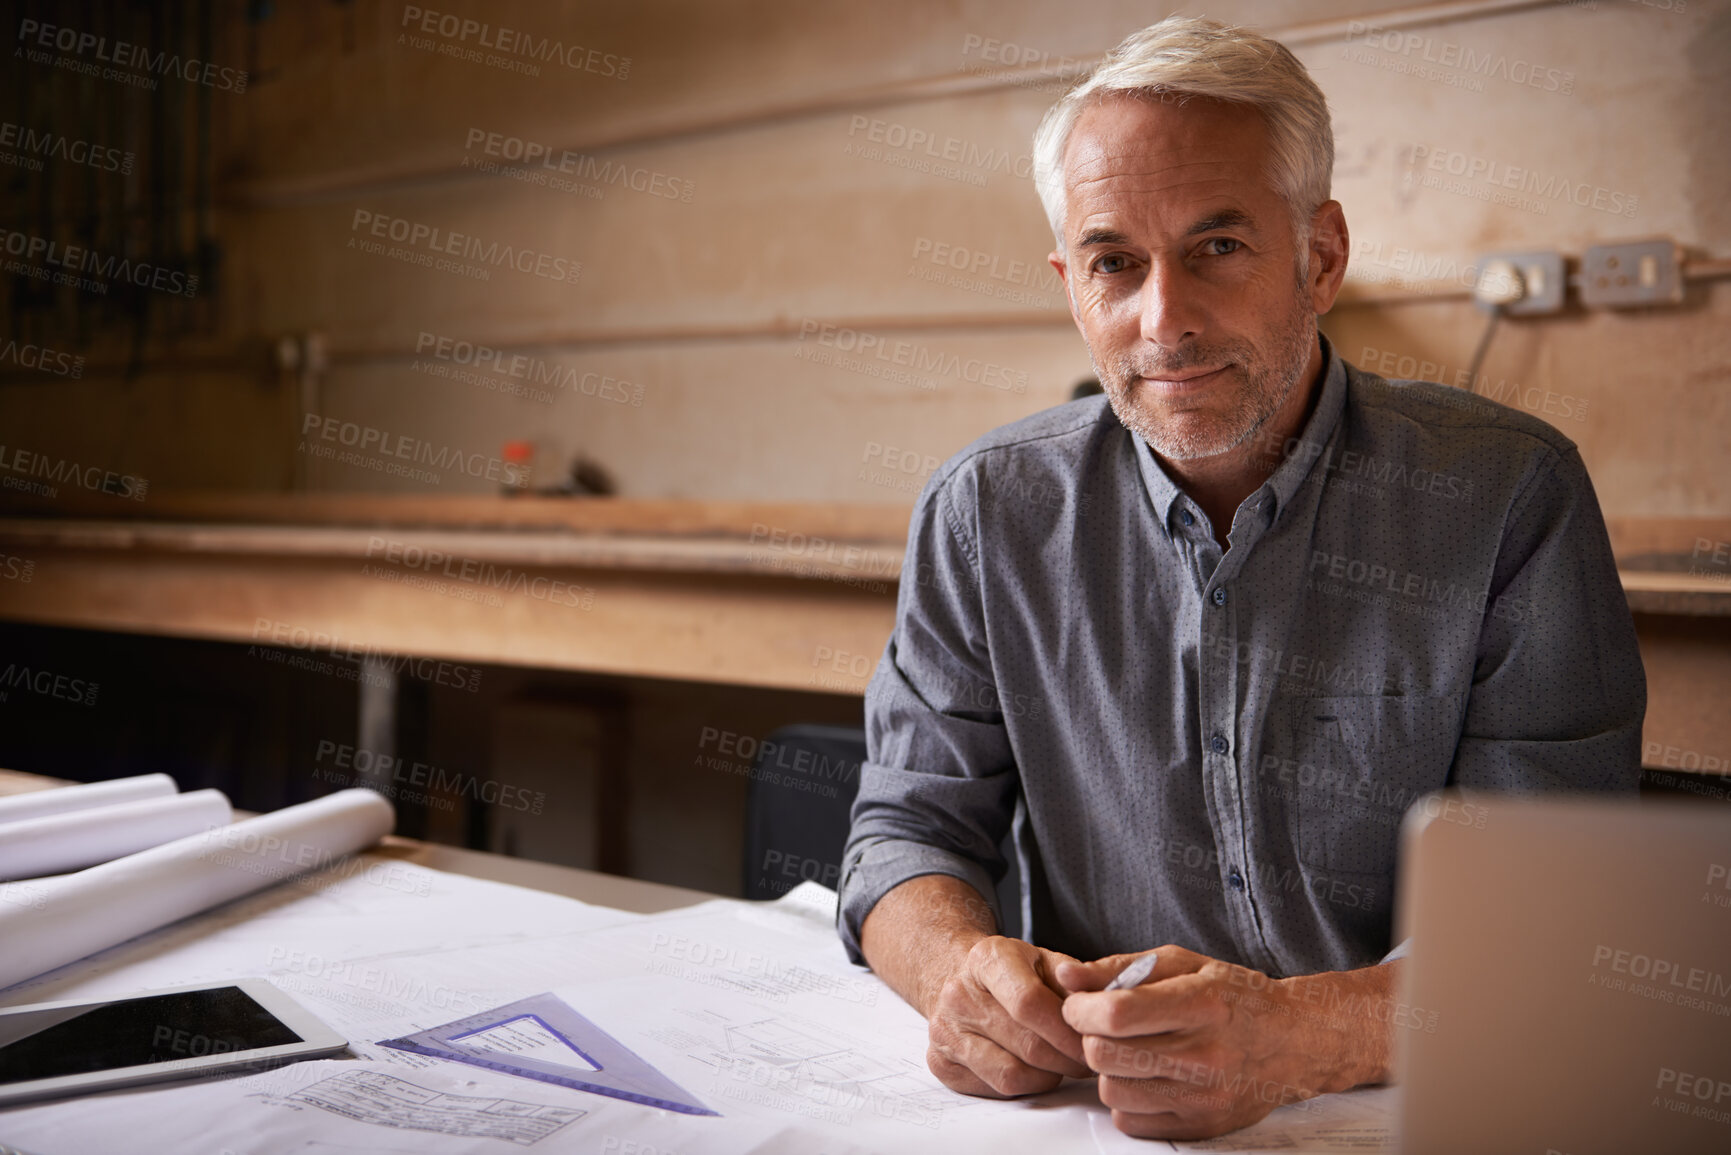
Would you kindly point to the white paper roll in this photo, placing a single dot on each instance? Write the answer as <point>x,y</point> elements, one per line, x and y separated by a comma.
<point>61,799</point>
<point>79,914</point>
<point>71,841</point>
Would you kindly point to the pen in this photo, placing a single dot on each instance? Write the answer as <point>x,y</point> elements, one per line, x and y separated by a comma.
<point>1133,975</point>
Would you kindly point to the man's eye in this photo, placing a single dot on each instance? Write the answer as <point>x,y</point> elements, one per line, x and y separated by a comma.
<point>1111,263</point>
<point>1212,244</point>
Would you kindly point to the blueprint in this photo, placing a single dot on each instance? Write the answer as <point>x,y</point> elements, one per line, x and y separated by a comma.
<point>387,1101</point>
<point>750,1009</point>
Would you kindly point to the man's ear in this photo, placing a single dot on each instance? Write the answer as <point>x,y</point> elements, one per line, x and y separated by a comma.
<point>1329,248</point>
<point>1056,259</point>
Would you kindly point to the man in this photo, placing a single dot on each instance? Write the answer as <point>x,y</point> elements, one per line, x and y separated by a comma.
<point>1203,641</point>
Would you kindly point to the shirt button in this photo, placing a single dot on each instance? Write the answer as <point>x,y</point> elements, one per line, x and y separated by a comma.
<point>1219,597</point>
<point>1185,516</point>
<point>1236,879</point>
<point>1217,744</point>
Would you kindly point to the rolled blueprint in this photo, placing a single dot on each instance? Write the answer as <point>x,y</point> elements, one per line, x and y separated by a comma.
<point>79,914</point>
<point>41,803</point>
<point>60,842</point>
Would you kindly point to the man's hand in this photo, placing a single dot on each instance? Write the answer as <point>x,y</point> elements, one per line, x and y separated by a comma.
<point>997,1028</point>
<point>1204,1047</point>
<point>993,1008</point>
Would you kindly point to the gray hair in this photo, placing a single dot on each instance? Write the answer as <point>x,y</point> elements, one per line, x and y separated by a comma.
<point>1187,56</point>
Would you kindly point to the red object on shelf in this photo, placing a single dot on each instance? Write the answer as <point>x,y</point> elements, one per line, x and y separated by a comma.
<point>520,460</point>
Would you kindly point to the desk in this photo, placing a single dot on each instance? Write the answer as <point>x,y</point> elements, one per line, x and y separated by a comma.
<point>749,1008</point>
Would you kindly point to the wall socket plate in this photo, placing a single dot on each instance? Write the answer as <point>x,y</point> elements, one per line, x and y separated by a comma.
<point>1630,275</point>
<point>1543,281</point>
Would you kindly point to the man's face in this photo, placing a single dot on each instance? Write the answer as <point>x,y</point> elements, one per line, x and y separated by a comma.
<point>1182,270</point>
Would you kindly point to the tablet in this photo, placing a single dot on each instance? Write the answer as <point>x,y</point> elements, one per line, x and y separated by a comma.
<point>70,1048</point>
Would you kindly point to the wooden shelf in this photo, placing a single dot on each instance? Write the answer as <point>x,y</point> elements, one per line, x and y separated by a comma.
<point>604,515</point>
<point>785,595</point>
<point>747,594</point>
<point>1681,594</point>
<point>773,553</point>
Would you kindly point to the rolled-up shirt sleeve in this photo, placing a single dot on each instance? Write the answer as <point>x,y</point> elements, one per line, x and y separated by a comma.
<point>938,788</point>
<point>1558,691</point>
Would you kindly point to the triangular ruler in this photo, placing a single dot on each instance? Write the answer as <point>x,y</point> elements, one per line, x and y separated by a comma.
<point>541,1038</point>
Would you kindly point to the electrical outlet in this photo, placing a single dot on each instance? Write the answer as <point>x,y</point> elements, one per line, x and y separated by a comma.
<point>1542,282</point>
<point>1632,274</point>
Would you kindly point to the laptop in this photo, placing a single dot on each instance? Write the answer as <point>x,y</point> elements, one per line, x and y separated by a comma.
<point>1569,988</point>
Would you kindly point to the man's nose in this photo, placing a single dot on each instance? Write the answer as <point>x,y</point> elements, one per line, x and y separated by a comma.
<point>1171,306</point>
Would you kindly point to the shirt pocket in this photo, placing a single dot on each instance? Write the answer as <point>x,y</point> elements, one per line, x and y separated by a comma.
<point>1353,765</point>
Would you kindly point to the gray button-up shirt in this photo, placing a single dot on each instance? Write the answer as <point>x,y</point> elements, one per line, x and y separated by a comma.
<point>1215,749</point>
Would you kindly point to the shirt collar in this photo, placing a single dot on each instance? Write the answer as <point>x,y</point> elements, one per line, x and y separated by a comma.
<point>1290,474</point>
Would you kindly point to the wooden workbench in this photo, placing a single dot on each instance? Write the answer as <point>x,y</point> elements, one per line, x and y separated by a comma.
<point>792,596</point>
<point>787,596</point>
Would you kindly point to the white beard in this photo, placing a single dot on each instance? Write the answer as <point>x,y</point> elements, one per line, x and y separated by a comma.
<point>1265,384</point>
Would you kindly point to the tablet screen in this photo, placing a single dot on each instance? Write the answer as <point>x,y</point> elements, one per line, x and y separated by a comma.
<point>46,1044</point>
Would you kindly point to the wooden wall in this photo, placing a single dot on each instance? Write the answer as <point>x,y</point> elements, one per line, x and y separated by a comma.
<point>777,221</point>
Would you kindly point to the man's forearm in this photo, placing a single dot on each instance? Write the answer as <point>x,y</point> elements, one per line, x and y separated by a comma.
<point>919,934</point>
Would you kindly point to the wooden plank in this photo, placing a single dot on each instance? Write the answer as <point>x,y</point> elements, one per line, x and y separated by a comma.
<point>1677,594</point>
<point>875,523</point>
<point>326,612</point>
<point>463,553</point>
